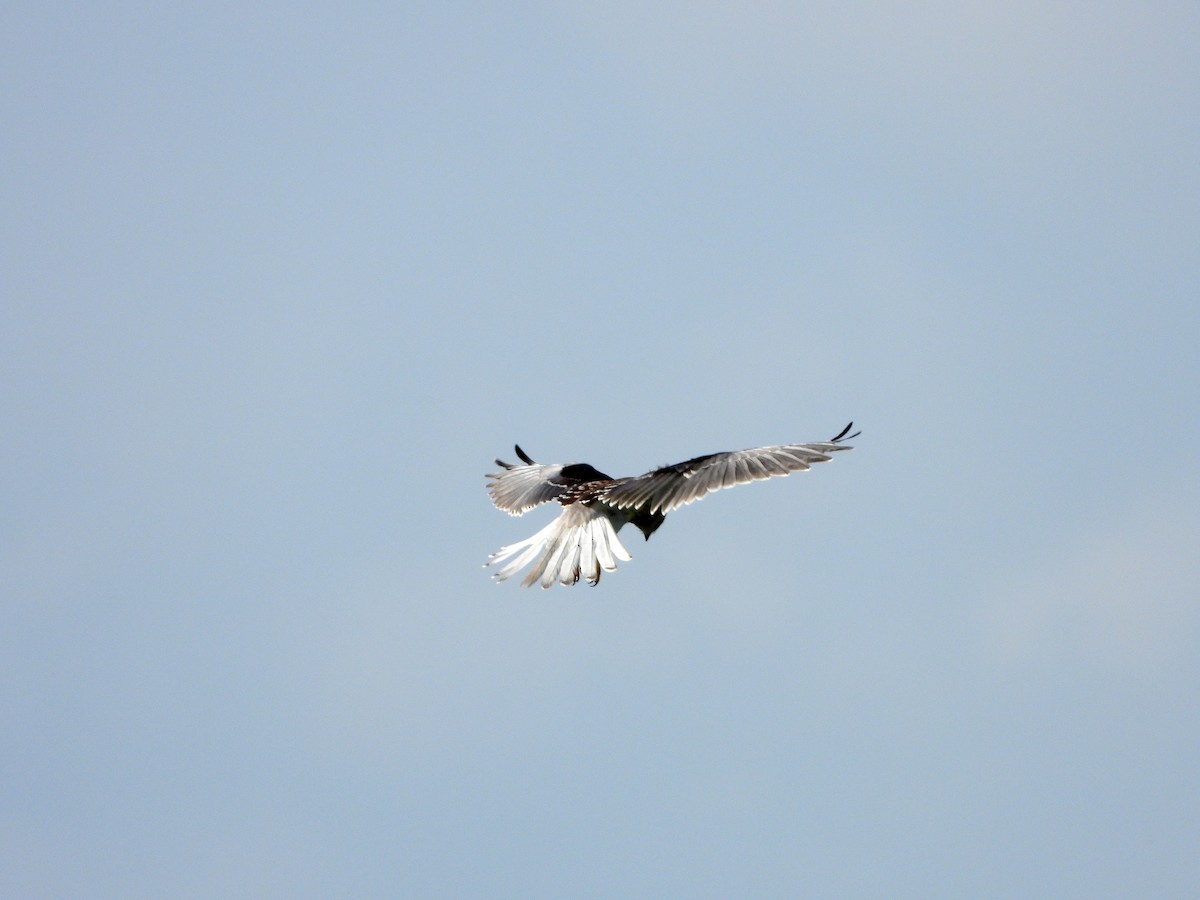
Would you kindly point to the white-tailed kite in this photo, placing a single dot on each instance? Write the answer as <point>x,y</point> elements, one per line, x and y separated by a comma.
<point>583,539</point>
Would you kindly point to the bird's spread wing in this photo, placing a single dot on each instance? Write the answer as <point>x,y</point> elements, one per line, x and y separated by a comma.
<point>516,489</point>
<point>670,487</point>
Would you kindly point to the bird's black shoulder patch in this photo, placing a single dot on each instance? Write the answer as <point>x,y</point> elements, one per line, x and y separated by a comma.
<point>581,472</point>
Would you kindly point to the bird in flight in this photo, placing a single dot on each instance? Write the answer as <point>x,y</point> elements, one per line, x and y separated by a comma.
<point>583,539</point>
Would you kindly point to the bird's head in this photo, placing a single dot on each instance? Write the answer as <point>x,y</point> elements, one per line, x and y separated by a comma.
<point>647,523</point>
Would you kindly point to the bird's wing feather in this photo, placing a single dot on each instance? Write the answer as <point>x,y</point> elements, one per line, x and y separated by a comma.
<point>671,487</point>
<point>520,488</point>
<point>516,489</point>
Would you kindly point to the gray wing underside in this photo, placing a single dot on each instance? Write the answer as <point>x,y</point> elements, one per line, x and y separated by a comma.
<point>674,486</point>
<point>518,489</point>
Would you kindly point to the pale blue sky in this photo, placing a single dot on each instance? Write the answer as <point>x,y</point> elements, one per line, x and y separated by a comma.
<point>279,283</point>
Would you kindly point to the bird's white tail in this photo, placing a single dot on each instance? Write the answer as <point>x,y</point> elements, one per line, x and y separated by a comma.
<point>579,542</point>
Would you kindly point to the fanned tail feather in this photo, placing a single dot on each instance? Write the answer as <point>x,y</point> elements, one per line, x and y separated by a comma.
<point>579,543</point>
<point>521,553</point>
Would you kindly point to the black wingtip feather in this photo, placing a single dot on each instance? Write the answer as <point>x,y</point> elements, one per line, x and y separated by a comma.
<point>524,456</point>
<point>843,435</point>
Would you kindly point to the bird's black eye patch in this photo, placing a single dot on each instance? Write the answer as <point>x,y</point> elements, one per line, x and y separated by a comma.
<point>582,472</point>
